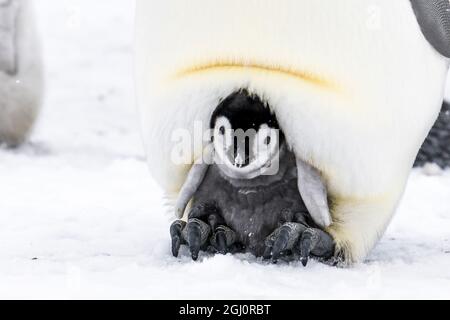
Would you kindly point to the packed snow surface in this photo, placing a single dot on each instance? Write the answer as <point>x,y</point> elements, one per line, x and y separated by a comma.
<point>80,216</point>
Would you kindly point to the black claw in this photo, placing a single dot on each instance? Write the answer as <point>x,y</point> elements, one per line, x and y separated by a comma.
<point>280,243</point>
<point>283,241</point>
<point>175,232</point>
<point>307,244</point>
<point>221,241</point>
<point>305,251</point>
<point>196,234</point>
<point>269,246</point>
<point>194,238</point>
<point>176,244</point>
<point>304,261</point>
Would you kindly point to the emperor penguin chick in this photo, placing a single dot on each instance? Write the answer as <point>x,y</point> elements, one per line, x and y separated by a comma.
<point>21,82</point>
<point>248,198</point>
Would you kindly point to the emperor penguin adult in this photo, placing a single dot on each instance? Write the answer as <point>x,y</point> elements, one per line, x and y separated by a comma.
<point>21,82</point>
<point>356,86</point>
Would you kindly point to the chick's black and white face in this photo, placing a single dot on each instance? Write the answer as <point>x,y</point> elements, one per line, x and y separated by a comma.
<point>246,137</point>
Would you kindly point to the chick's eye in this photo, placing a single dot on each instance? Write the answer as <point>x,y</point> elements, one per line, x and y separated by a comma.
<point>222,130</point>
<point>268,140</point>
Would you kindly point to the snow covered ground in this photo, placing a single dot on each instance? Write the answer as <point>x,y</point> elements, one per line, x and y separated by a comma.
<point>80,216</point>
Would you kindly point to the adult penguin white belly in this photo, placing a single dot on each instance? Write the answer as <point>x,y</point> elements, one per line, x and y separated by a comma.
<point>355,85</point>
<point>20,71</point>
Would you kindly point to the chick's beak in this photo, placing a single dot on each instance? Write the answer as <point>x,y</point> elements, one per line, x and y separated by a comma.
<point>239,155</point>
<point>241,160</point>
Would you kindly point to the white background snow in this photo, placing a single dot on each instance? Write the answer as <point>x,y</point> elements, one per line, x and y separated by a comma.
<point>80,216</point>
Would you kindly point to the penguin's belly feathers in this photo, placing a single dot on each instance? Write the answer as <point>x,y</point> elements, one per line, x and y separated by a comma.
<point>254,212</point>
<point>354,84</point>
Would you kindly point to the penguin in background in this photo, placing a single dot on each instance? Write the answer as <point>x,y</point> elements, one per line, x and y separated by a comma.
<point>355,85</point>
<point>21,80</point>
<point>436,148</point>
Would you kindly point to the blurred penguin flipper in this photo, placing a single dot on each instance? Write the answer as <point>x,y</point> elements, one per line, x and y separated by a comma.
<point>21,80</point>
